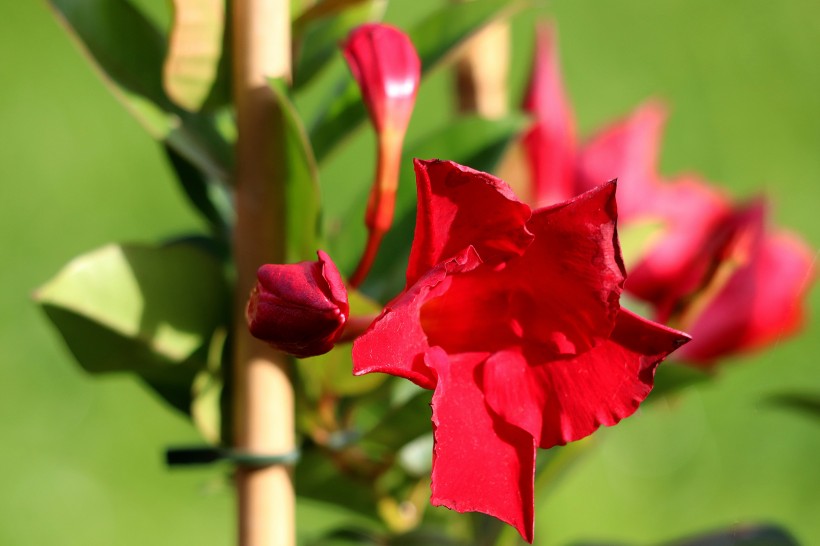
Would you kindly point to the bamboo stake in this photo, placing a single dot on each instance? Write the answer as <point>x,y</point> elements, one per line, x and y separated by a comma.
<point>263,395</point>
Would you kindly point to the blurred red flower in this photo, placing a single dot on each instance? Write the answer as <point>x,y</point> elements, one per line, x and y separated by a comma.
<point>698,234</point>
<point>513,318</point>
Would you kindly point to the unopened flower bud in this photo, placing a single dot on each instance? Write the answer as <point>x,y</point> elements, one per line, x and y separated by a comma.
<point>300,308</point>
<point>387,69</point>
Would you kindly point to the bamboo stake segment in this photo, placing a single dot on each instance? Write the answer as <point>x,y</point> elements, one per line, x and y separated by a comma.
<point>263,396</point>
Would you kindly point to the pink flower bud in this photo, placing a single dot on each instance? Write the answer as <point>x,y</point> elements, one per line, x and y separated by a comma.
<point>387,69</point>
<point>300,308</point>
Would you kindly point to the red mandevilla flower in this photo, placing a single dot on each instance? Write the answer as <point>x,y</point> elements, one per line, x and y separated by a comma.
<point>300,308</point>
<point>387,69</point>
<point>512,317</point>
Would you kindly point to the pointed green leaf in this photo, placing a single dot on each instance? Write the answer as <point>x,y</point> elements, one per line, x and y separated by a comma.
<point>194,51</point>
<point>743,535</point>
<point>129,51</point>
<point>435,38</point>
<point>301,181</point>
<point>806,403</point>
<point>140,309</point>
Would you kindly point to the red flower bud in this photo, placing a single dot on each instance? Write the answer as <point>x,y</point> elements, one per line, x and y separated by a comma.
<point>300,308</point>
<point>387,69</point>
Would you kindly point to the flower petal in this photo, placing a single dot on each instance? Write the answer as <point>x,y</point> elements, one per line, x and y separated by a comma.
<point>627,151</point>
<point>550,143</point>
<point>459,207</point>
<point>480,463</point>
<point>570,279</point>
<point>560,297</point>
<point>396,343</point>
<point>566,400</point>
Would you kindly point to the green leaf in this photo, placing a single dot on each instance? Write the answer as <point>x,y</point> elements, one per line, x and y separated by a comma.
<point>321,37</point>
<point>208,196</point>
<point>477,142</point>
<point>194,51</point>
<point>742,535</point>
<point>316,520</point>
<point>435,38</point>
<point>806,403</point>
<point>207,392</point>
<point>129,50</point>
<point>401,425</point>
<point>301,181</point>
<point>141,309</point>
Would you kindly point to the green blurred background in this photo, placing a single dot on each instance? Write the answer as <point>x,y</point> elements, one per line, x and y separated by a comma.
<point>81,458</point>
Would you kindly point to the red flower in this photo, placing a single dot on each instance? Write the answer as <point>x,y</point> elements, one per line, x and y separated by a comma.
<point>756,290</point>
<point>300,308</point>
<point>387,69</point>
<point>710,270</point>
<point>512,317</point>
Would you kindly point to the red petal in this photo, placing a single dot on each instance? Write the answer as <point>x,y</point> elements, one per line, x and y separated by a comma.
<point>459,207</point>
<point>627,151</point>
<point>680,258</point>
<point>480,463</point>
<point>570,279</point>
<point>395,343</point>
<point>550,143</point>
<point>566,400</point>
<point>560,297</point>
<point>761,300</point>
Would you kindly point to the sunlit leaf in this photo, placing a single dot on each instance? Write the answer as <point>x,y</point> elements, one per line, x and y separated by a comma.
<point>194,51</point>
<point>435,38</point>
<point>141,309</point>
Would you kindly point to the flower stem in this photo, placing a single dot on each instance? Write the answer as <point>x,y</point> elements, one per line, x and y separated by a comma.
<point>263,394</point>
<point>382,201</point>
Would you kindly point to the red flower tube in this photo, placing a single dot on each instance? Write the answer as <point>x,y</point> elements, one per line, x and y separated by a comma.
<point>512,318</point>
<point>387,68</point>
<point>300,308</point>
